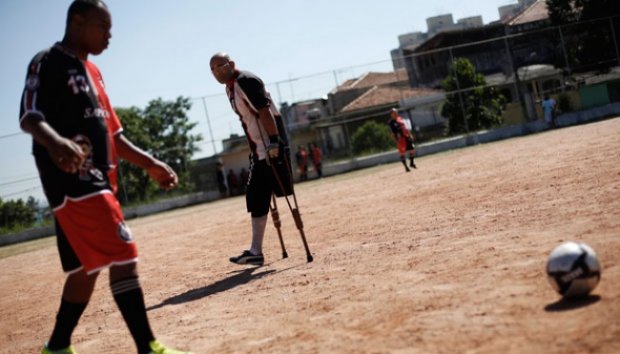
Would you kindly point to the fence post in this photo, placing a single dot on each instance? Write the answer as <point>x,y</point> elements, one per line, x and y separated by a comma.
<point>204,104</point>
<point>515,71</point>
<point>458,88</point>
<point>564,50</point>
<point>613,37</point>
<point>122,183</point>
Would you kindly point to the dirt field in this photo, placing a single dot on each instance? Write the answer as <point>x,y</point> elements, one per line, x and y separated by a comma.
<point>449,258</point>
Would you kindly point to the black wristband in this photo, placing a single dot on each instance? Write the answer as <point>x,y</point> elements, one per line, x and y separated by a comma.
<point>274,139</point>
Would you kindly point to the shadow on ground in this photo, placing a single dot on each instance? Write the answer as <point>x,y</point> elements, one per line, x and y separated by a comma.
<point>239,278</point>
<point>571,304</point>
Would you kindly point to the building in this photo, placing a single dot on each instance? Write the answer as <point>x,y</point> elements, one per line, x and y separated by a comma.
<point>406,41</point>
<point>494,48</point>
<point>299,115</point>
<point>429,63</point>
<point>507,12</point>
<point>409,41</point>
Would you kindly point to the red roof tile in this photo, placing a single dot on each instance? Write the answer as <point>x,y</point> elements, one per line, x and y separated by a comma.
<point>371,79</point>
<point>380,95</point>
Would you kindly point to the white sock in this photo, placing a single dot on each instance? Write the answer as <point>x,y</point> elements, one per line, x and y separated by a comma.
<point>258,232</point>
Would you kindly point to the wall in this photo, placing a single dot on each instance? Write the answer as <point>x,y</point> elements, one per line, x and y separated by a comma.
<point>563,120</point>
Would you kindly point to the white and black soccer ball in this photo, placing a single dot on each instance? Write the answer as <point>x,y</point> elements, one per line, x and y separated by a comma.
<point>573,269</point>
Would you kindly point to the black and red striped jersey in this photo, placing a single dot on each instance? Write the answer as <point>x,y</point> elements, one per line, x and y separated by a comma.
<point>247,95</point>
<point>69,94</point>
<point>398,127</point>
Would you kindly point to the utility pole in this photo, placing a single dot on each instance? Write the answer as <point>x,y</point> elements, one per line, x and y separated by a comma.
<point>204,104</point>
<point>517,80</point>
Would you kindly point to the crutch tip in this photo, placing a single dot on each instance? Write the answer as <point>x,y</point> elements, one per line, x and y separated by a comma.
<point>310,258</point>
<point>284,255</point>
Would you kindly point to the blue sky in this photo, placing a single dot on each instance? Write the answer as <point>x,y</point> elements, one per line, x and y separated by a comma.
<point>161,48</point>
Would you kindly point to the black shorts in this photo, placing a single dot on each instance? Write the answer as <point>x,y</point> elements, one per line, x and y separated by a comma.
<point>262,183</point>
<point>68,259</point>
<point>409,143</point>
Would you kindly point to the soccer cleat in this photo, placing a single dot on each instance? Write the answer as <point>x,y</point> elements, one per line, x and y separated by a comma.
<point>68,350</point>
<point>413,165</point>
<point>248,257</point>
<point>158,348</point>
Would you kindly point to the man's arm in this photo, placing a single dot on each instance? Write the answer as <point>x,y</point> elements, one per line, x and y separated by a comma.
<point>159,171</point>
<point>65,153</point>
<point>268,122</point>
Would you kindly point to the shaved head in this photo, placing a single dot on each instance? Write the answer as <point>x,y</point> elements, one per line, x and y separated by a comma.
<point>81,7</point>
<point>222,68</point>
<point>221,56</point>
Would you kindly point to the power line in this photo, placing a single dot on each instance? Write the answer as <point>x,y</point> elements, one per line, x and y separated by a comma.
<point>10,135</point>
<point>18,181</point>
<point>21,192</point>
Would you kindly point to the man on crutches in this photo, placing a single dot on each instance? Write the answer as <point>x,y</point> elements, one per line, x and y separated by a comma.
<point>270,169</point>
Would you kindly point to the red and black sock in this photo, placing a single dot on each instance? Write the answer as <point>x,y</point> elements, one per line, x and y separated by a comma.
<point>130,301</point>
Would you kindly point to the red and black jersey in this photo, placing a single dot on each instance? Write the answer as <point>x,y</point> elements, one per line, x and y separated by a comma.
<point>398,127</point>
<point>69,95</point>
<point>247,95</point>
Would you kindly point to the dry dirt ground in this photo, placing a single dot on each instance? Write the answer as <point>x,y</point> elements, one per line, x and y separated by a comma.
<point>449,258</point>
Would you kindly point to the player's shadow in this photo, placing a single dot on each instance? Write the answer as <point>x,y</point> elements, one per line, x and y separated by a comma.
<point>239,278</point>
<point>571,304</point>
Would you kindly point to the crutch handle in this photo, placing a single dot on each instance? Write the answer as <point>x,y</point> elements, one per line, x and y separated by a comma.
<point>276,218</point>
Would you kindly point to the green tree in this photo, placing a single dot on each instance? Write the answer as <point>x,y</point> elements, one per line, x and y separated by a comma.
<point>371,137</point>
<point>567,11</point>
<point>162,129</point>
<point>15,213</point>
<point>589,45</point>
<point>483,105</point>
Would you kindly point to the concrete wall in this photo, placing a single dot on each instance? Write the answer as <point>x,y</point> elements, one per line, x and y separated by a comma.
<point>130,213</point>
<point>429,148</point>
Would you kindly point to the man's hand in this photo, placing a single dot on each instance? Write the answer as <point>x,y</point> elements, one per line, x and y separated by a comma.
<point>67,155</point>
<point>163,174</point>
<point>273,150</point>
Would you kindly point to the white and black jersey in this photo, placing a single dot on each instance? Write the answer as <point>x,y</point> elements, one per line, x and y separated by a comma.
<point>247,95</point>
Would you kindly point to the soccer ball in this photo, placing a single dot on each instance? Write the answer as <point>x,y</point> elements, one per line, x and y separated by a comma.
<point>573,269</point>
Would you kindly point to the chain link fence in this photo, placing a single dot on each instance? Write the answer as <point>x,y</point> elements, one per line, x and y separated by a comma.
<point>577,64</point>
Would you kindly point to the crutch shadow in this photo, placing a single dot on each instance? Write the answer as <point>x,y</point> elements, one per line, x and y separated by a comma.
<point>238,278</point>
<point>571,304</point>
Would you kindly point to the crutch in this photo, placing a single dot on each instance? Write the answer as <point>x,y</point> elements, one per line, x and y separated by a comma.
<point>275,215</point>
<point>295,211</point>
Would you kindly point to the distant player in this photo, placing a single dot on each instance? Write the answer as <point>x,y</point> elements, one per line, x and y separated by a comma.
<point>77,139</point>
<point>402,137</point>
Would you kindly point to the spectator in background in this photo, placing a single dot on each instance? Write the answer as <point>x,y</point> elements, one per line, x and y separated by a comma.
<point>233,182</point>
<point>220,176</point>
<point>549,110</point>
<point>317,157</point>
<point>302,162</point>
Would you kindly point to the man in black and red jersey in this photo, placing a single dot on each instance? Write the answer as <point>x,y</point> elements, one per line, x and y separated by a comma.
<point>402,138</point>
<point>269,150</point>
<point>77,140</point>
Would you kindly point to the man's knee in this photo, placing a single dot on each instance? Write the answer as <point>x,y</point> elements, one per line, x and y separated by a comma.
<point>259,213</point>
<point>123,271</point>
